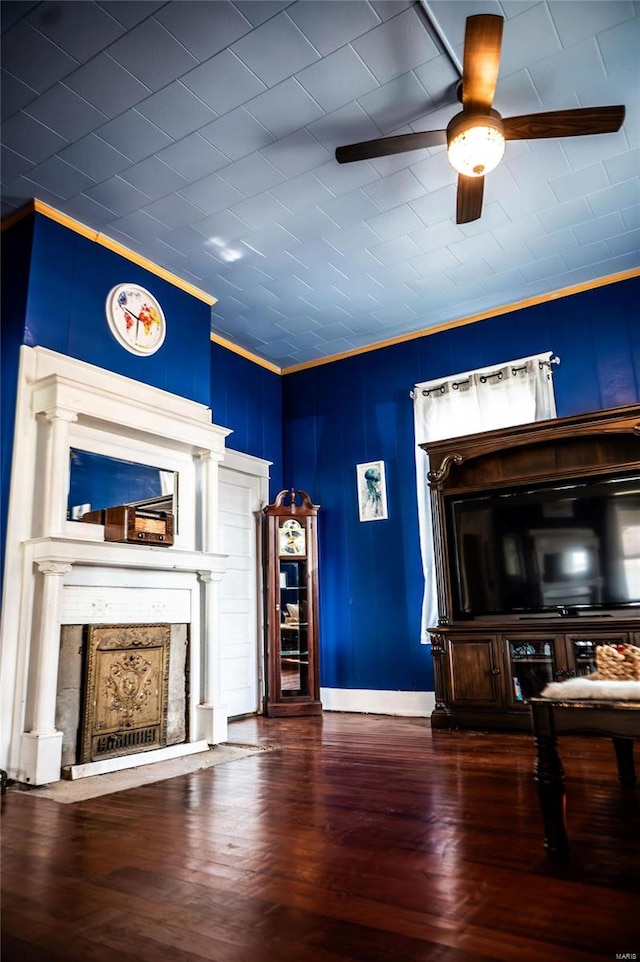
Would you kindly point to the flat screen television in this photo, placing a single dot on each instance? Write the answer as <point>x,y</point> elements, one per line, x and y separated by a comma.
<point>568,547</point>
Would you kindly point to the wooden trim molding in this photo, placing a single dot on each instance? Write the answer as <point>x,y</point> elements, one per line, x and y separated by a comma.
<point>38,207</point>
<point>243,352</point>
<point>472,318</point>
<point>42,208</point>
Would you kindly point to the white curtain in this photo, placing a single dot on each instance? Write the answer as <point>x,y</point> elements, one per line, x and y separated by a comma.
<point>516,392</point>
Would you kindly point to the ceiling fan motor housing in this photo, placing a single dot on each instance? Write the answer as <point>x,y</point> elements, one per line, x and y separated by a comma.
<point>469,154</point>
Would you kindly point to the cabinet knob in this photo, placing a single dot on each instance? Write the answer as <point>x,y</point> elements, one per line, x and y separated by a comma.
<point>559,672</point>
<point>494,671</point>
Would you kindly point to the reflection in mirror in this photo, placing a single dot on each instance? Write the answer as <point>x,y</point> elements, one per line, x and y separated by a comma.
<point>97,481</point>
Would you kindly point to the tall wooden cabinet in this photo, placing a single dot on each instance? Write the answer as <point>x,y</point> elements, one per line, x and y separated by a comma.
<point>291,570</point>
<point>487,665</point>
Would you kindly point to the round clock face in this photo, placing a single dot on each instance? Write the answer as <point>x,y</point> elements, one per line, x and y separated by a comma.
<point>292,538</point>
<point>136,319</point>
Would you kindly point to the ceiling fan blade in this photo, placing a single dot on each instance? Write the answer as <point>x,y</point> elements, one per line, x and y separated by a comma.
<point>469,198</point>
<point>390,145</point>
<point>481,63</point>
<point>564,123</point>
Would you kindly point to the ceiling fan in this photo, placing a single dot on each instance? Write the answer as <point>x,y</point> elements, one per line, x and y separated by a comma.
<point>476,136</point>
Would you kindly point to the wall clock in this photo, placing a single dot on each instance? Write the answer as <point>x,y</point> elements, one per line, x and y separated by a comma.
<point>136,319</point>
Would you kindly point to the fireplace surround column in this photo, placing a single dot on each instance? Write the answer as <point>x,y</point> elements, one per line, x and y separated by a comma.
<point>209,467</point>
<point>212,716</point>
<point>57,469</point>
<point>41,754</point>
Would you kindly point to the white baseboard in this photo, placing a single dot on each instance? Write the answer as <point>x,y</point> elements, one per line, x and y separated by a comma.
<point>410,703</point>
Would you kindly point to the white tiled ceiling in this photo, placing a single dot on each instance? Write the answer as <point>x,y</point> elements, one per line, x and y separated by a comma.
<point>201,134</point>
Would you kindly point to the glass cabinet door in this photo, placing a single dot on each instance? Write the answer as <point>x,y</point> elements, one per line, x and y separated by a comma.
<point>294,629</point>
<point>582,650</point>
<point>532,665</point>
<point>584,655</point>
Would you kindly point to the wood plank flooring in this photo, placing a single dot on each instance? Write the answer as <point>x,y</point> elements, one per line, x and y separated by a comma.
<point>361,838</point>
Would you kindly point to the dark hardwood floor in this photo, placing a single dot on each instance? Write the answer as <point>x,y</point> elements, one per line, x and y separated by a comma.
<point>360,839</point>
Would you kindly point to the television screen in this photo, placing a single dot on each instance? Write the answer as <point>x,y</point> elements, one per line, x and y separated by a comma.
<point>569,545</point>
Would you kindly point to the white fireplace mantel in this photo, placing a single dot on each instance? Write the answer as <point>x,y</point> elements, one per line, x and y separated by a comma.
<point>72,550</point>
<point>56,567</point>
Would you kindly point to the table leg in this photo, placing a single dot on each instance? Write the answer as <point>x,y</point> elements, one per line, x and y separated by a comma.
<point>626,766</point>
<point>549,776</point>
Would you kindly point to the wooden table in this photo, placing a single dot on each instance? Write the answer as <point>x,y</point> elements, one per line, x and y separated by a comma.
<point>618,719</point>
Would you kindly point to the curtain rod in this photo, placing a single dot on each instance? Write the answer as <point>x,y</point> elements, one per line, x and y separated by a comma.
<point>483,378</point>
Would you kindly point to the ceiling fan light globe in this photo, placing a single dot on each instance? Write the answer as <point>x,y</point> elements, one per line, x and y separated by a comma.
<point>475,145</point>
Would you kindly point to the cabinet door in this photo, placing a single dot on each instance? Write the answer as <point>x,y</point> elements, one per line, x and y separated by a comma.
<point>532,661</point>
<point>474,671</point>
<point>581,649</point>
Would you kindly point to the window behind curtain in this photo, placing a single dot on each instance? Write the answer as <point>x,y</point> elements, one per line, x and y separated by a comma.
<point>516,392</point>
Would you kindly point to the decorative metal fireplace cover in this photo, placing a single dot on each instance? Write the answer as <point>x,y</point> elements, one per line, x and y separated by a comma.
<point>126,689</point>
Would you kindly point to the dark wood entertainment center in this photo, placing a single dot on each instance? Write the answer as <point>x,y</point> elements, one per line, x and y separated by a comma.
<point>486,666</point>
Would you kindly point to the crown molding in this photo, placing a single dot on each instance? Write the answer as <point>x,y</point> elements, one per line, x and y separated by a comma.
<point>39,207</point>
<point>42,208</point>
<point>471,319</point>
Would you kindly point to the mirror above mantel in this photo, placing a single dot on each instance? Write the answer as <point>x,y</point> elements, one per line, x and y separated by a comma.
<point>97,481</point>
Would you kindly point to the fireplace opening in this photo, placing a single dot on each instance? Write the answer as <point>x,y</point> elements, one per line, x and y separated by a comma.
<point>122,689</point>
<point>126,690</point>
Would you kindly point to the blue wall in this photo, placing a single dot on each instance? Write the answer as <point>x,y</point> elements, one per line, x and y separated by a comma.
<point>248,398</point>
<point>16,256</point>
<point>55,284</point>
<point>358,409</point>
<point>316,425</point>
<point>69,282</point>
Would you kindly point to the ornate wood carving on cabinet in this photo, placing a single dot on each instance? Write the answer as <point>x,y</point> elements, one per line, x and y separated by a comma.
<point>291,570</point>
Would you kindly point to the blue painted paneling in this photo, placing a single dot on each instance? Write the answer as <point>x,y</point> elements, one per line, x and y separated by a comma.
<point>618,373</point>
<point>16,255</point>
<point>247,398</point>
<point>359,409</point>
<point>50,292</point>
<point>363,413</point>
<point>71,277</point>
<point>316,425</point>
<point>55,284</point>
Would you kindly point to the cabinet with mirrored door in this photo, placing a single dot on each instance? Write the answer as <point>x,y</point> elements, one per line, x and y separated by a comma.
<point>291,571</point>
